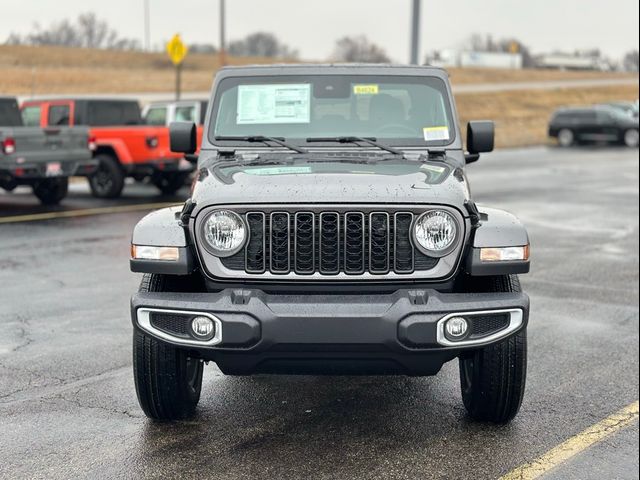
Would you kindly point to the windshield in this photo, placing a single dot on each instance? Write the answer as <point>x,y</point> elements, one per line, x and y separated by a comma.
<point>620,112</point>
<point>395,110</point>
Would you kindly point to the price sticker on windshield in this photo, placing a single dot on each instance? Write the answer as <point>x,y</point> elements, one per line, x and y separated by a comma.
<point>365,89</point>
<point>435,133</point>
<point>274,103</point>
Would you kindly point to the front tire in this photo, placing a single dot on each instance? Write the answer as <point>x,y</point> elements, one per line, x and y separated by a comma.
<point>566,138</point>
<point>631,138</point>
<point>52,190</point>
<point>168,381</point>
<point>493,378</point>
<point>108,180</point>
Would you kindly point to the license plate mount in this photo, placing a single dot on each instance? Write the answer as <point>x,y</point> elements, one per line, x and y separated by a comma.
<point>54,169</point>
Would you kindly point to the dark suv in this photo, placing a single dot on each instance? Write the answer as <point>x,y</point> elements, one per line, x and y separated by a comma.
<point>593,124</point>
<point>330,230</point>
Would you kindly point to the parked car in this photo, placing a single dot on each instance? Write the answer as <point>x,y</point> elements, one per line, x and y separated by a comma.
<point>42,158</point>
<point>331,230</point>
<point>125,147</point>
<point>164,113</point>
<point>593,124</point>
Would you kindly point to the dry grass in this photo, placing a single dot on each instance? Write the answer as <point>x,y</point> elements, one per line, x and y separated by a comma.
<point>52,70</point>
<point>45,70</point>
<point>493,75</point>
<point>522,116</point>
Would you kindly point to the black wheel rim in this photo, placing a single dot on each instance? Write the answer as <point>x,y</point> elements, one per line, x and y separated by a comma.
<point>102,180</point>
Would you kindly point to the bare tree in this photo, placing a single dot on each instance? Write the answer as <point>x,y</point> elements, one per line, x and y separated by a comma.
<point>94,33</point>
<point>261,44</point>
<point>476,43</point>
<point>359,50</point>
<point>630,61</point>
<point>87,31</point>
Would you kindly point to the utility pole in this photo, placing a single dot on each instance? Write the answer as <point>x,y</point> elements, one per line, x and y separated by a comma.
<point>415,32</point>
<point>147,42</point>
<point>223,52</point>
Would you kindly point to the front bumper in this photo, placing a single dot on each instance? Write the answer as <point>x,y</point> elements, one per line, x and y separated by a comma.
<point>355,334</point>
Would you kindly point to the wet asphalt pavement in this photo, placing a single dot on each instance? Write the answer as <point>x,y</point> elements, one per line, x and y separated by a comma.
<point>68,406</point>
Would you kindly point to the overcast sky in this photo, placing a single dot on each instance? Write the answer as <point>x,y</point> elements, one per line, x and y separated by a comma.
<point>312,27</point>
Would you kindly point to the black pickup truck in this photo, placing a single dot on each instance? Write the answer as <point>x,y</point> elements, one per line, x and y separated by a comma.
<point>331,230</point>
<point>43,158</point>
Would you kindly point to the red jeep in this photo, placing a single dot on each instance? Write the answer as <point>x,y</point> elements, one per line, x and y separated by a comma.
<point>124,146</point>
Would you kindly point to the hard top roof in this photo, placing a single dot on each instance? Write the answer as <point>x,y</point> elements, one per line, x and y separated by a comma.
<point>332,69</point>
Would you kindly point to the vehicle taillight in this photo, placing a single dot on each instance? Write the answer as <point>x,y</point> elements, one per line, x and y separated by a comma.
<point>91,143</point>
<point>152,142</point>
<point>9,146</point>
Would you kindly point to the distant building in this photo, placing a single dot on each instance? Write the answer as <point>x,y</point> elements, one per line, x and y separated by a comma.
<point>453,58</point>
<point>561,61</point>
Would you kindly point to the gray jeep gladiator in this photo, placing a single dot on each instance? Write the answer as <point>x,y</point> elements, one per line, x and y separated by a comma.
<point>42,158</point>
<point>330,230</point>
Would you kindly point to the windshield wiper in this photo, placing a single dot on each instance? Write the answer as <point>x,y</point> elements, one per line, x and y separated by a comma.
<point>368,140</point>
<point>262,139</point>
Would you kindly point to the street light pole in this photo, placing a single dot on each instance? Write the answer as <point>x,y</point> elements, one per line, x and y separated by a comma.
<point>223,59</point>
<point>147,42</point>
<point>415,31</point>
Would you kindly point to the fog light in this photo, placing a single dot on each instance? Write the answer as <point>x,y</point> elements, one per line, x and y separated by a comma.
<point>203,328</point>
<point>456,327</point>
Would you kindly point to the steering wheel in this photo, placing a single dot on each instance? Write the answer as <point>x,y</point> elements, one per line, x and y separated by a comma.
<point>396,128</point>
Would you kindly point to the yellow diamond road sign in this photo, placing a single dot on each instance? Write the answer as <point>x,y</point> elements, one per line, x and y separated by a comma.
<point>176,49</point>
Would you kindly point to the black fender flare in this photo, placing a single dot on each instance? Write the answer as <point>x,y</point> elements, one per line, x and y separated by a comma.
<point>497,228</point>
<point>163,228</point>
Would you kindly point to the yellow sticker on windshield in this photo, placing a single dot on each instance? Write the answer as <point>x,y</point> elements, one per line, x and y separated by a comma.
<point>435,133</point>
<point>365,89</point>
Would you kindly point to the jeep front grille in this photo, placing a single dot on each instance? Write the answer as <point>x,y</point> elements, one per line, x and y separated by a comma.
<point>329,243</point>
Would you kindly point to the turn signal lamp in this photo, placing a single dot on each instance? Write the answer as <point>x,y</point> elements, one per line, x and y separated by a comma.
<point>505,254</point>
<point>144,252</point>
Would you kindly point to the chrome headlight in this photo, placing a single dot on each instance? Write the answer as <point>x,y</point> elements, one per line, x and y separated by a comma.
<point>224,233</point>
<point>436,233</point>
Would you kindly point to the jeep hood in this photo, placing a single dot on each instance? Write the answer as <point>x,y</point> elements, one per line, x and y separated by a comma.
<point>323,181</point>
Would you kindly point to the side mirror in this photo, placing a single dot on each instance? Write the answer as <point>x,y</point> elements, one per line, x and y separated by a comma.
<point>183,137</point>
<point>480,139</point>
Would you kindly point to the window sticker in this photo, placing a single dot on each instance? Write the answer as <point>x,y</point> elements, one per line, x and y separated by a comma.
<point>283,103</point>
<point>365,89</point>
<point>435,133</point>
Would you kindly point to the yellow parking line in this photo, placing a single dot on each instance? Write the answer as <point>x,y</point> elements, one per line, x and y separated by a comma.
<point>86,212</point>
<point>575,444</point>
